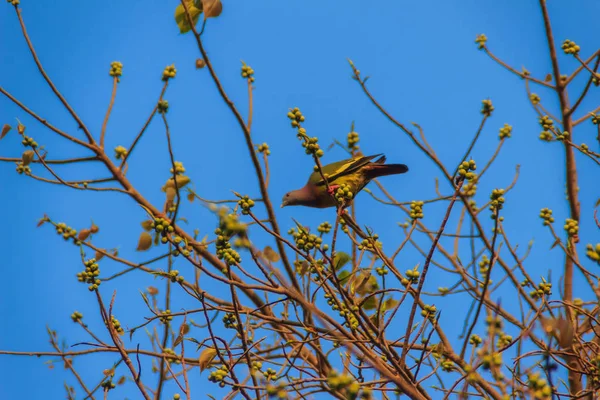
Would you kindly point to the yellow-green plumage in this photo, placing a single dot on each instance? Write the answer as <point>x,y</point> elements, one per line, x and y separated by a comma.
<point>354,172</point>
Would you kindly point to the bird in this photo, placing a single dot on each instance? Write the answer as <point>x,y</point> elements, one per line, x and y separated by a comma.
<point>356,173</point>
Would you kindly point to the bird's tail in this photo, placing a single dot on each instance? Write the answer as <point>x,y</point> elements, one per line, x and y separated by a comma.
<point>377,170</point>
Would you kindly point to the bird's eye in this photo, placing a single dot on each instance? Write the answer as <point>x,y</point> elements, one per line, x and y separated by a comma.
<point>287,195</point>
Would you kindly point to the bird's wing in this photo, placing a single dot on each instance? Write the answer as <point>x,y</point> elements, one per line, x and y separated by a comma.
<point>341,168</point>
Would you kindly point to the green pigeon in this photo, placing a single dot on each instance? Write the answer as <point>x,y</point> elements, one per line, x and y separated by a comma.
<point>354,172</point>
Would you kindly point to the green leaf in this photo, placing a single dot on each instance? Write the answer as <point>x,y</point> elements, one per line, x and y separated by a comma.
<point>367,286</point>
<point>389,304</point>
<point>597,203</point>
<point>340,259</point>
<point>370,303</point>
<point>206,357</point>
<point>182,19</point>
<point>359,282</point>
<point>343,276</point>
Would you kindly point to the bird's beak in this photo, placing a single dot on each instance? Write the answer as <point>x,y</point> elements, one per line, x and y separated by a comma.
<point>283,204</point>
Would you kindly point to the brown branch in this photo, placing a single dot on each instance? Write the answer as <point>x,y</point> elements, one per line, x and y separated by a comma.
<point>514,71</point>
<point>141,132</point>
<point>417,295</point>
<point>43,121</point>
<point>110,106</point>
<point>66,161</point>
<point>246,131</point>
<point>571,180</point>
<point>49,81</point>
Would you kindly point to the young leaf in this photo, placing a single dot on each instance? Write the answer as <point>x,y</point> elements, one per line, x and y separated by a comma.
<point>98,256</point>
<point>370,303</point>
<point>145,242</point>
<point>84,234</point>
<point>340,259</point>
<point>182,19</point>
<point>343,276</point>
<point>212,8</point>
<point>389,304</point>
<point>27,157</point>
<point>206,358</point>
<point>271,254</point>
<point>5,129</point>
<point>147,225</point>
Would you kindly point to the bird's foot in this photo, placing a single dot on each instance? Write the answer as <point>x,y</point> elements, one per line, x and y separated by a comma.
<point>332,189</point>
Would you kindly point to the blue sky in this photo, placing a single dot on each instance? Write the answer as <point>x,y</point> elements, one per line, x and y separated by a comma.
<point>424,67</point>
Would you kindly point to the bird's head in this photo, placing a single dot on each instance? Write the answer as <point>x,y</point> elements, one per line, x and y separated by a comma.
<point>288,200</point>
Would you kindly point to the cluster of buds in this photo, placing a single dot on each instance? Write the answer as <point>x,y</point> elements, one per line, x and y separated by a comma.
<point>497,202</point>
<point>29,142</point>
<point>572,227</point>
<point>428,312</point>
<point>179,168</point>
<point>116,69</point>
<point>344,383</point>
<point>325,227</point>
<point>505,131</point>
<point>484,266</point>
<point>570,47</point>
<point>304,240</point>
<point>166,317</point>
<point>264,148</point>
<point>117,325</point>
<point>543,288</point>
<point>230,321</point>
<point>540,387</point>
<point>310,144</point>
<point>494,323</point>
<point>416,210</point>
<point>466,168</point>
<point>247,72</point>
<point>595,119</point>
<point>487,107</point>
<point>76,316</point>
<point>475,340</point>
<point>120,152</point>
<point>163,106</point>
<point>224,250</point>
<point>547,125</point>
<point>343,194</point>
<point>229,226</point>
<point>381,271</point>
<point>66,231</point>
<point>245,203</point>
<point>413,275</point>
<point>23,169</point>
<point>490,360</point>
<point>219,375</point>
<point>174,276</point>
<point>270,374</point>
<point>169,72</point>
<point>546,215</point>
<point>370,244</point>
<point>481,39</point>
<point>353,139</point>
<point>562,136</point>
<point>593,252</point>
<point>295,116</point>
<point>90,274</point>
